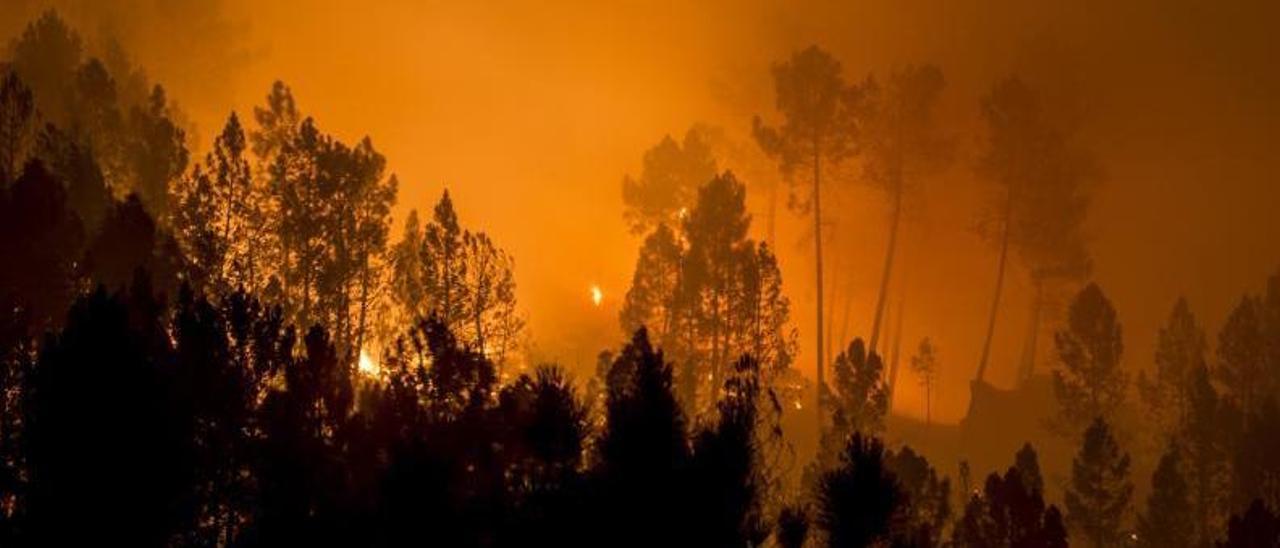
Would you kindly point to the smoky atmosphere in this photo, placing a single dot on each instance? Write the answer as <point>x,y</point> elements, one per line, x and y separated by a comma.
<point>981,273</point>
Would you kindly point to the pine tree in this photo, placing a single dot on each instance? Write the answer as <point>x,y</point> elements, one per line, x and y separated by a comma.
<point>460,277</point>
<point>1040,180</point>
<point>17,125</point>
<point>1180,349</point>
<point>902,146</point>
<point>710,295</point>
<point>925,366</point>
<point>1169,519</point>
<point>858,403</point>
<point>1207,435</point>
<point>859,500</point>
<point>1243,367</point>
<point>670,175</point>
<point>1257,527</point>
<point>1011,510</point>
<point>1090,384</point>
<point>156,153</point>
<point>1097,498</point>
<point>816,133</point>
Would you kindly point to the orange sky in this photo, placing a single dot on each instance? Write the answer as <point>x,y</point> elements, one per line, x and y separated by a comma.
<point>531,113</point>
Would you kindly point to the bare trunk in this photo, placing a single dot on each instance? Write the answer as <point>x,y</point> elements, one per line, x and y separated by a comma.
<point>844,315</point>
<point>1027,367</point>
<point>831,307</point>
<point>817,250</point>
<point>928,403</point>
<point>897,355</point>
<point>888,266</point>
<point>995,298</point>
<point>773,213</point>
<point>364,305</point>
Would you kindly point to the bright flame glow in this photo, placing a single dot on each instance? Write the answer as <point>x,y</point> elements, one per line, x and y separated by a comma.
<point>367,365</point>
<point>597,296</point>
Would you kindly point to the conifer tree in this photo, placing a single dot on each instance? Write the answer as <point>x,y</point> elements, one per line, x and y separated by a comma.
<point>1097,497</point>
<point>1090,384</point>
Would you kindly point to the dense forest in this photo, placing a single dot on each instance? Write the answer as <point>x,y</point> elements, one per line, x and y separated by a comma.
<point>238,348</point>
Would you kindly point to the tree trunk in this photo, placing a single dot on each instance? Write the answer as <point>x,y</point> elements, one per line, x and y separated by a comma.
<point>995,298</point>
<point>1027,367</point>
<point>843,339</point>
<point>888,265</point>
<point>831,309</point>
<point>773,213</point>
<point>928,402</point>
<point>817,251</point>
<point>897,354</point>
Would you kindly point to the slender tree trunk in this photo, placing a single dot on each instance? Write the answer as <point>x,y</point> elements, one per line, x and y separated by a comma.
<point>817,252</point>
<point>1027,368</point>
<point>831,307</point>
<point>226,234</point>
<point>773,212</point>
<point>995,298</point>
<point>364,305</point>
<point>844,315</point>
<point>895,221</point>
<point>897,355</point>
<point>928,402</point>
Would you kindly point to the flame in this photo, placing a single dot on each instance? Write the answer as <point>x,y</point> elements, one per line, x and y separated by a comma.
<point>367,365</point>
<point>597,296</point>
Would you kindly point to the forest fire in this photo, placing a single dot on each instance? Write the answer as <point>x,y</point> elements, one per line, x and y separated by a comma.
<point>817,273</point>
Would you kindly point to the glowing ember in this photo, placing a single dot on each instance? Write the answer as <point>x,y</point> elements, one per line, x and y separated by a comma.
<point>597,296</point>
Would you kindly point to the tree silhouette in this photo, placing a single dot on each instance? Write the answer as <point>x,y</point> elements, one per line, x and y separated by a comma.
<point>1256,455</point>
<point>817,109</point>
<point>333,205</point>
<point>860,399</point>
<point>902,145</point>
<point>1097,498</point>
<point>670,175</point>
<point>96,121</point>
<point>1258,527</point>
<point>925,366</point>
<point>1038,203</point>
<point>792,527</point>
<point>1180,349</point>
<point>461,277</point>
<point>859,500</point>
<point>1208,449</point>
<point>300,470</point>
<point>1090,383</point>
<point>106,454</point>
<point>547,428</point>
<point>712,295</point>
<point>1169,519</point>
<point>727,468</point>
<point>655,299</point>
<point>88,193</point>
<point>643,451</point>
<point>927,497</point>
<point>42,244</point>
<point>128,241</point>
<point>157,153</point>
<point>45,57</point>
<point>1243,368</point>
<point>1011,510</point>
<point>218,216</point>
<point>17,125</point>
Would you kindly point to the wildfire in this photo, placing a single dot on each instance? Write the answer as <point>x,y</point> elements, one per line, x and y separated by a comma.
<point>597,296</point>
<point>367,365</point>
